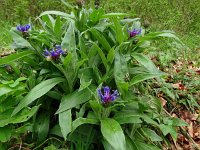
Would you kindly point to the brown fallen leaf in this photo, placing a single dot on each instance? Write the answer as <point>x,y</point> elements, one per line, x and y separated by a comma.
<point>190,129</point>
<point>198,72</point>
<point>179,86</point>
<point>163,101</point>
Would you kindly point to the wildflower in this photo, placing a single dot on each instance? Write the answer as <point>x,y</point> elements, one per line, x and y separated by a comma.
<point>24,28</point>
<point>134,32</point>
<point>107,97</point>
<point>54,54</point>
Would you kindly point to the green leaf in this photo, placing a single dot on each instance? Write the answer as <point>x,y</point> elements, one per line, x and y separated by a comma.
<point>102,55</point>
<point>106,145</point>
<point>178,122</point>
<point>55,95</point>
<point>65,122</point>
<point>41,126</point>
<point>70,62</point>
<point>168,92</point>
<point>58,13</point>
<point>51,147</point>
<point>69,41</point>
<point>119,31</point>
<point>111,15</point>
<point>5,90</point>
<point>136,144</point>
<point>120,68</point>
<point>144,146</point>
<point>124,118</point>
<point>92,56</point>
<point>3,146</point>
<point>97,108</point>
<point>16,83</point>
<point>79,121</point>
<point>169,34</point>
<point>144,76</point>
<point>96,15</point>
<point>120,71</point>
<point>101,39</point>
<point>84,83</point>
<point>113,133</point>
<point>130,145</point>
<point>151,134</point>
<point>15,56</point>
<point>38,91</point>
<point>56,130</point>
<point>58,27</point>
<point>148,120</point>
<point>111,55</point>
<point>20,42</point>
<point>49,21</point>
<point>146,62</point>
<point>5,134</point>
<point>72,100</point>
<point>168,129</point>
<point>24,115</point>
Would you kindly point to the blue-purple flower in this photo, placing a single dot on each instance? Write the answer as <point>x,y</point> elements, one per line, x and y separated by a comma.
<point>134,32</point>
<point>107,97</point>
<point>24,28</point>
<point>54,54</point>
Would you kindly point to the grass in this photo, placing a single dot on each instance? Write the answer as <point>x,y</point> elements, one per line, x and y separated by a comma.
<point>5,37</point>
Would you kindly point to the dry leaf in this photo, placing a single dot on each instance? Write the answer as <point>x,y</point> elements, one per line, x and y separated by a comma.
<point>190,130</point>
<point>179,86</point>
<point>163,101</point>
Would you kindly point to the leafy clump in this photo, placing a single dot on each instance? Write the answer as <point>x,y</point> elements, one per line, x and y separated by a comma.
<point>65,63</point>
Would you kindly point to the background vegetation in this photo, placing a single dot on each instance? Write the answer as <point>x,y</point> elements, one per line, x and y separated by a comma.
<point>180,16</point>
<point>183,17</point>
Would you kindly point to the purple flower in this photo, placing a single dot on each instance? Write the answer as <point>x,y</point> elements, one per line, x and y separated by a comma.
<point>54,54</point>
<point>24,28</point>
<point>107,97</point>
<point>134,32</point>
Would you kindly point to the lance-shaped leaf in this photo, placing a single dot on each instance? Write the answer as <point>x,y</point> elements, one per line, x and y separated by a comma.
<point>111,15</point>
<point>80,121</point>
<point>113,133</point>
<point>138,145</point>
<point>69,41</point>
<point>72,100</point>
<point>5,134</point>
<point>38,91</point>
<point>120,71</point>
<point>23,116</point>
<point>58,13</point>
<point>144,76</point>
<point>14,57</point>
<point>20,42</point>
<point>101,39</point>
<point>70,62</point>
<point>146,62</point>
<point>65,122</point>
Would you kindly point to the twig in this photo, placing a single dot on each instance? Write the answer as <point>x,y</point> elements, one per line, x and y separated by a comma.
<point>20,147</point>
<point>46,141</point>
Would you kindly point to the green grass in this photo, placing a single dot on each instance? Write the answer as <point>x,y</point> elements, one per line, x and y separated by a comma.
<point>5,37</point>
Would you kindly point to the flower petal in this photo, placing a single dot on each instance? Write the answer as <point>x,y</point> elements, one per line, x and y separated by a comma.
<point>100,94</point>
<point>106,91</point>
<point>114,95</point>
